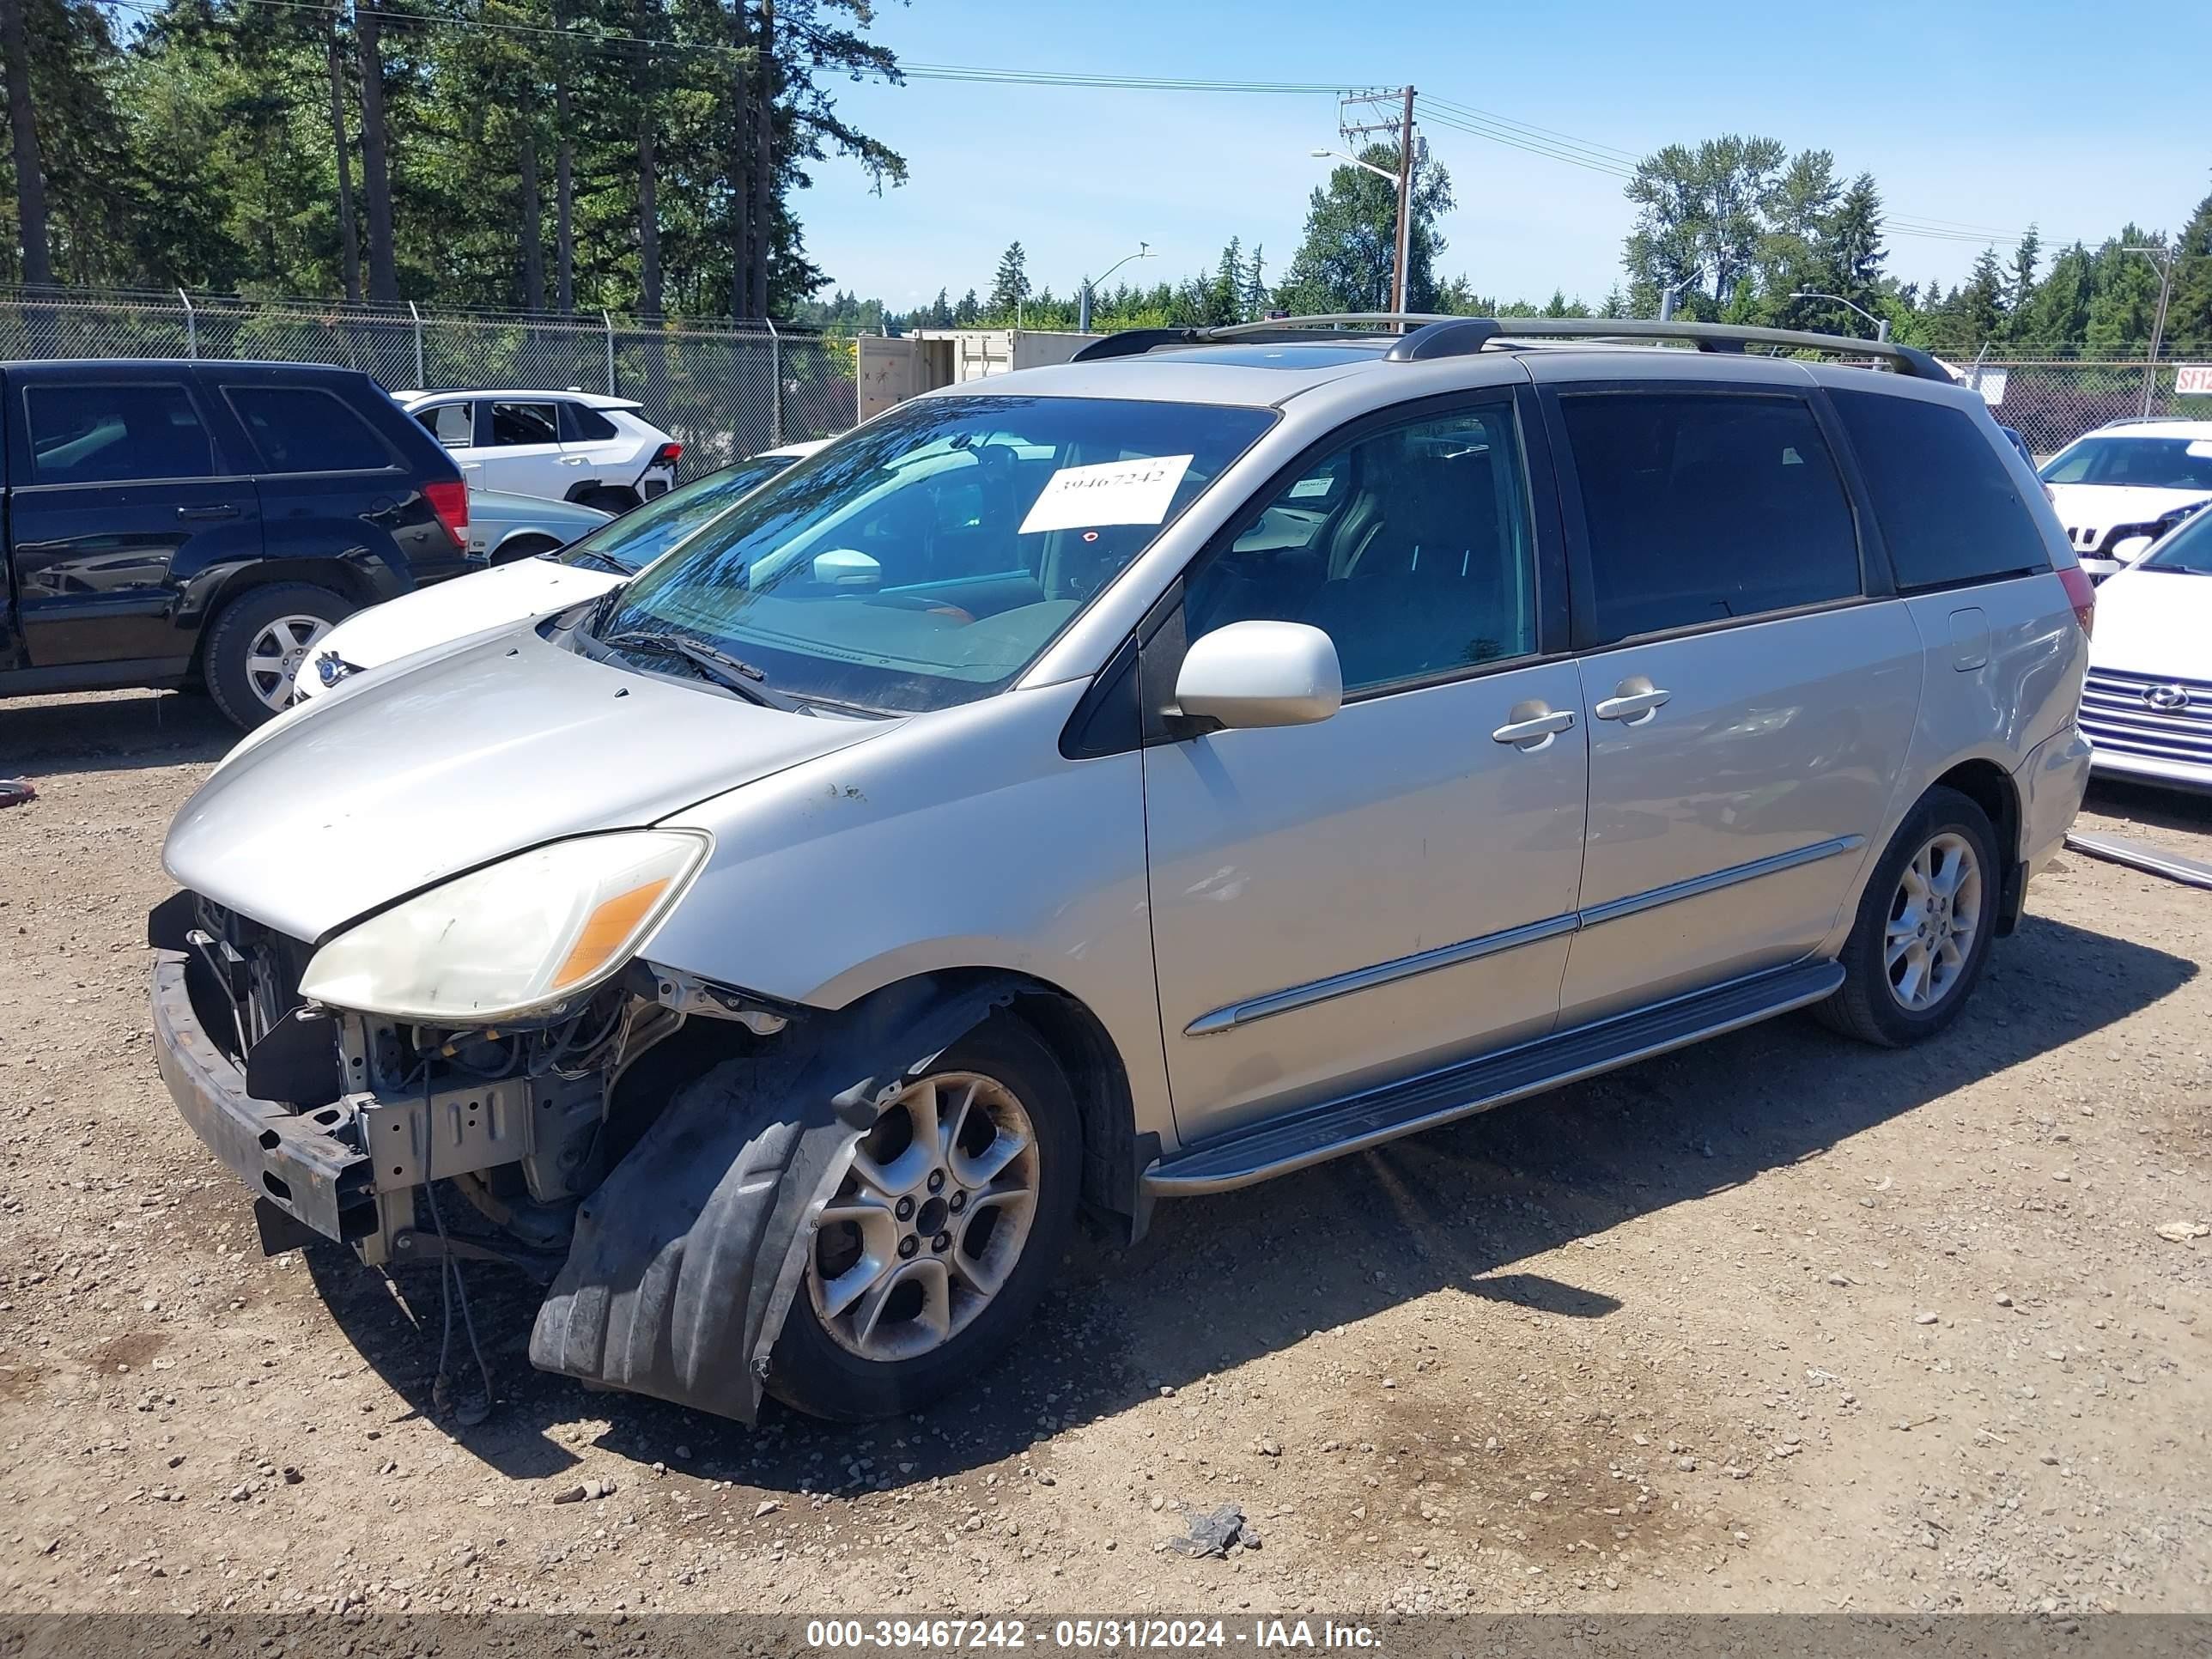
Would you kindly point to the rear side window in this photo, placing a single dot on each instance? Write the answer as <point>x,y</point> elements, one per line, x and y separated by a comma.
<point>453,425</point>
<point>1703,507</point>
<point>303,428</point>
<point>524,424</point>
<point>116,434</point>
<point>585,425</point>
<point>1945,501</point>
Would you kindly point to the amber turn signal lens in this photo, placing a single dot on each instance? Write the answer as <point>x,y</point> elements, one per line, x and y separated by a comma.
<point>604,931</point>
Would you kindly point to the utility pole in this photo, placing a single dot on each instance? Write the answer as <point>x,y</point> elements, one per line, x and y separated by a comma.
<point>1402,126</point>
<point>2163,259</point>
<point>1405,267</point>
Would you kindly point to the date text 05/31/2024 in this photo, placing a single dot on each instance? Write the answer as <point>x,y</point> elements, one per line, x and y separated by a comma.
<point>1103,1635</point>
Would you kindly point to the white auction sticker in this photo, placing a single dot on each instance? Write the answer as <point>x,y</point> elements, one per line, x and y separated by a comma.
<point>1112,492</point>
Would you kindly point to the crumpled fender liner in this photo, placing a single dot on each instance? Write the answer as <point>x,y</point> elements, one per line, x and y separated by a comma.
<point>686,1258</point>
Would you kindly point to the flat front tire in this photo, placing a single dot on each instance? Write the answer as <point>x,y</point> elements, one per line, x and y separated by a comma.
<point>942,1235</point>
<point>1921,935</point>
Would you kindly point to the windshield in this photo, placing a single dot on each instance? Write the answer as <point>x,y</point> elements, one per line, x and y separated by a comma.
<point>2135,463</point>
<point>638,537</point>
<point>2189,548</point>
<point>926,558</point>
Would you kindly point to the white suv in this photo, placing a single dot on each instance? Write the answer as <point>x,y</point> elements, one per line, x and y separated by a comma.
<point>2120,488</point>
<point>569,445</point>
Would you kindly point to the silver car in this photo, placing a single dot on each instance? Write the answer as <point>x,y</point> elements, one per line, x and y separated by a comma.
<point>1137,779</point>
<point>504,527</point>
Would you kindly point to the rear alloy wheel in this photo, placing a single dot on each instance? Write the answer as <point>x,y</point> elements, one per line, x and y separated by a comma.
<point>941,1234</point>
<point>259,642</point>
<point>1933,916</point>
<point>1923,932</point>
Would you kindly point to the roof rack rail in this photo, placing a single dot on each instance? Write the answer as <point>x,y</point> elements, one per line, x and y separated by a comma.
<point>1726,337</point>
<point>1359,325</point>
<point>1423,336</point>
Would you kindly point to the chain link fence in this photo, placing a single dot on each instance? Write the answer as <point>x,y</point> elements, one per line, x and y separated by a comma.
<point>2050,402</point>
<point>725,390</point>
<point>728,389</point>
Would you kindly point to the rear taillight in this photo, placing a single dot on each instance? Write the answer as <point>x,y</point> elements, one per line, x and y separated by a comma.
<point>2083,594</point>
<point>668,454</point>
<point>449,500</point>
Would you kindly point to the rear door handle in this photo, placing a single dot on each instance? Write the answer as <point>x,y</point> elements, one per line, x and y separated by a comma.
<point>1633,706</point>
<point>572,460</point>
<point>1533,728</point>
<point>225,511</point>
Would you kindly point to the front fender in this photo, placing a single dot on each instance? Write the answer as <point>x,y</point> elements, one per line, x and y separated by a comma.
<point>686,1259</point>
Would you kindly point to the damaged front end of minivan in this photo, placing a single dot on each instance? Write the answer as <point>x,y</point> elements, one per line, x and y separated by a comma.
<point>667,1206</point>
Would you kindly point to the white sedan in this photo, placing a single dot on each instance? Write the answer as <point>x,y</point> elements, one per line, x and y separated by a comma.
<point>2120,487</point>
<point>2147,709</point>
<point>506,594</point>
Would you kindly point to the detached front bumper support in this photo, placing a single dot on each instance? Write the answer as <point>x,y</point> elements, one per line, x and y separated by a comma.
<point>294,1160</point>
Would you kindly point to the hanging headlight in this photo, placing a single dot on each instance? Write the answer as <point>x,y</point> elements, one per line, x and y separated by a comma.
<point>525,934</point>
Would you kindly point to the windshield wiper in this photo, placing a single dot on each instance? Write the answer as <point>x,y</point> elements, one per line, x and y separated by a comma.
<point>731,673</point>
<point>589,559</point>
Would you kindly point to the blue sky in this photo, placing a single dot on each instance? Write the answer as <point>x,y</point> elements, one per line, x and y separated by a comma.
<point>2076,117</point>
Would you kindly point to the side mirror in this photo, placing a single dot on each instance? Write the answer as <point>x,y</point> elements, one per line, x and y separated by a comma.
<point>844,567</point>
<point>1261,673</point>
<point>2128,551</point>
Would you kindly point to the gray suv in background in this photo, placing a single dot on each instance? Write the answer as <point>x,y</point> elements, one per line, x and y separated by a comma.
<point>1144,776</point>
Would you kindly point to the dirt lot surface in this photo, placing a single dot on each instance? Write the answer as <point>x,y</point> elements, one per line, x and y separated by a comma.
<point>1777,1323</point>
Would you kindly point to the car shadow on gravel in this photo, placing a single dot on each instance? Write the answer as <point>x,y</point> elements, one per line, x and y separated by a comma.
<point>110,732</point>
<point>1221,1281</point>
<point>2181,811</point>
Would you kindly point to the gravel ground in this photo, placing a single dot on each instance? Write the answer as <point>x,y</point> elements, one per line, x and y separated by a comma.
<point>1777,1323</point>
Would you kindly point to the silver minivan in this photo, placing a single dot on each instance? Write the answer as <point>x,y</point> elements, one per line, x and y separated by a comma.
<point>1135,779</point>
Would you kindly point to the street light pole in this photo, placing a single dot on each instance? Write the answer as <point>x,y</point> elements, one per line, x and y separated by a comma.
<point>1880,324</point>
<point>1090,286</point>
<point>1669,292</point>
<point>2163,259</point>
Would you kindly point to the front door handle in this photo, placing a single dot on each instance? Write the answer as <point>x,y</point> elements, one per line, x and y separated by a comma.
<point>224,511</point>
<point>1633,701</point>
<point>1532,725</point>
<point>572,460</point>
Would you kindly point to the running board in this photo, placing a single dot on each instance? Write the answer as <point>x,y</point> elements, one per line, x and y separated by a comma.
<point>1361,1121</point>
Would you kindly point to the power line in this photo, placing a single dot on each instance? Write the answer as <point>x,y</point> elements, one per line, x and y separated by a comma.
<point>1548,143</point>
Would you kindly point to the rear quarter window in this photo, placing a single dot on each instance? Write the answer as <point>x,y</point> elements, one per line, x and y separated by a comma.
<point>1945,501</point>
<point>304,428</point>
<point>585,425</point>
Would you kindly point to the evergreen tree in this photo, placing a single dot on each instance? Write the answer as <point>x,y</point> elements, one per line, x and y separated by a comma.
<point>1253,301</point>
<point>1224,296</point>
<point>2025,256</point>
<point>1011,285</point>
<point>1850,242</point>
<point>1979,307</point>
<point>2123,292</point>
<point>2189,315</point>
<point>969,312</point>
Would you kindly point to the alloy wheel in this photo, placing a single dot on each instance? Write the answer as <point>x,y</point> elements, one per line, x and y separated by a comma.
<point>275,655</point>
<point>1933,918</point>
<point>929,1221</point>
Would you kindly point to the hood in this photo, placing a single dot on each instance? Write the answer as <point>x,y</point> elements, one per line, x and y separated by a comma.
<point>2090,511</point>
<point>439,767</point>
<point>2156,623</point>
<point>453,610</point>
